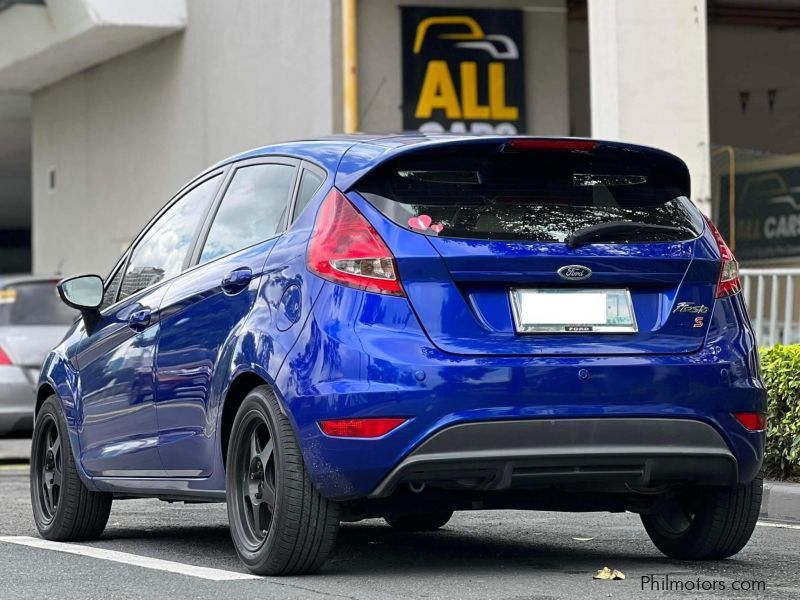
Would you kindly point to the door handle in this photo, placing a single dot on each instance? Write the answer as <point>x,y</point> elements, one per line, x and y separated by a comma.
<point>140,319</point>
<point>237,280</point>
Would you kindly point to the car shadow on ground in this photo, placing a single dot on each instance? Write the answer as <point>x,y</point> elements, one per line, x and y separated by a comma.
<point>372,548</point>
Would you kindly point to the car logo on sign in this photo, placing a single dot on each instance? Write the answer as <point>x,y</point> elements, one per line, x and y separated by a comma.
<point>574,272</point>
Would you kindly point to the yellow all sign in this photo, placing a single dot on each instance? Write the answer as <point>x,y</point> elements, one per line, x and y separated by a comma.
<point>439,92</point>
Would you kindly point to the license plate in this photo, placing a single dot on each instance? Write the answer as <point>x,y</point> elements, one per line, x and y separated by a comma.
<point>565,310</point>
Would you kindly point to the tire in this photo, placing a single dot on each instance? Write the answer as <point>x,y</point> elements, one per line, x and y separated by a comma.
<point>706,523</point>
<point>280,524</point>
<point>63,508</point>
<point>420,522</point>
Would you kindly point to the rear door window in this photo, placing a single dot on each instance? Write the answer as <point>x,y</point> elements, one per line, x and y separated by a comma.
<point>34,303</point>
<point>252,210</point>
<point>542,196</point>
<point>160,253</point>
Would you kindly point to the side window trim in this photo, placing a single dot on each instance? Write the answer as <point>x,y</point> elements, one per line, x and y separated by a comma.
<point>123,263</point>
<point>305,166</point>
<point>119,267</point>
<point>205,228</point>
<point>227,175</point>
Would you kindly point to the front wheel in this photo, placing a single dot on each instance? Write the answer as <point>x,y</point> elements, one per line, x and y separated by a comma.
<point>280,524</point>
<point>63,508</point>
<point>706,522</point>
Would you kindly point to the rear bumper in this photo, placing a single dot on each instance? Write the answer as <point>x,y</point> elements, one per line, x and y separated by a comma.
<point>501,455</point>
<point>364,355</point>
<point>16,401</point>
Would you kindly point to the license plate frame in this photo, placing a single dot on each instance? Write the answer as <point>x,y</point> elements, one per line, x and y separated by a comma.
<point>618,307</point>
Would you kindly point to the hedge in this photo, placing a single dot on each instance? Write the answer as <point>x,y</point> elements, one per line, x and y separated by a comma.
<point>780,368</point>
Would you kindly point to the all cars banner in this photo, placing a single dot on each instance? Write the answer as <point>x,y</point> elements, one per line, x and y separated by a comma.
<point>463,70</point>
<point>767,213</point>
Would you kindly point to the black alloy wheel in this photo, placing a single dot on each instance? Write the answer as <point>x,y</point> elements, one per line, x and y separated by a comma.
<point>254,480</point>
<point>280,524</point>
<point>47,469</point>
<point>64,509</point>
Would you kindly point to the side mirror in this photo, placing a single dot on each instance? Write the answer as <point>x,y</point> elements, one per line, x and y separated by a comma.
<point>84,292</point>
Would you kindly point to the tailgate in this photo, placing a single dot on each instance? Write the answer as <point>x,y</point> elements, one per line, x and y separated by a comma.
<point>479,226</point>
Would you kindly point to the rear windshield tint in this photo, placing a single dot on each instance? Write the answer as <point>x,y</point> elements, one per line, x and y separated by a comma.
<point>491,193</point>
<point>34,303</point>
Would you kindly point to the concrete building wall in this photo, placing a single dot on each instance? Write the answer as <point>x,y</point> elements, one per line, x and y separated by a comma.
<point>15,183</point>
<point>15,159</point>
<point>649,80</point>
<point>380,62</point>
<point>122,137</point>
<point>751,59</point>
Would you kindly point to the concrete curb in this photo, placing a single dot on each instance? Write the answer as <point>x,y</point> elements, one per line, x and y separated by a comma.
<point>14,451</point>
<point>781,501</point>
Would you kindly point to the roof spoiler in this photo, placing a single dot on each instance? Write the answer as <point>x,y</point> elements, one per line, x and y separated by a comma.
<point>619,157</point>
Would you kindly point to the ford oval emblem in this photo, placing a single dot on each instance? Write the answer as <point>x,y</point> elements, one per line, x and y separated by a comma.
<point>574,272</point>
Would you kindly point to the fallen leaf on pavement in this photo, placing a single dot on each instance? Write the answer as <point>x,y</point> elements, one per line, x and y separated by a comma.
<point>606,573</point>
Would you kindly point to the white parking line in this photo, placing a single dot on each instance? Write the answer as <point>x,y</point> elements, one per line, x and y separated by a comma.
<point>20,467</point>
<point>781,525</point>
<point>130,559</point>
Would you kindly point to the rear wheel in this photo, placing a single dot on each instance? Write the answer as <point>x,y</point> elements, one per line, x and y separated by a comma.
<point>280,524</point>
<point>706,522</point>
<point>63,508</point>
<point>420,522</point>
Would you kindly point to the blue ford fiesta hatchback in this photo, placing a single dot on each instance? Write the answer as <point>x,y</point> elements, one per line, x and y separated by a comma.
<point>403,327</point>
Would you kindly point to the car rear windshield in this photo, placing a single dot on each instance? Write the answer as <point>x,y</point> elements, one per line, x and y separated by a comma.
<point>493,192</point>
<point>33,303</point>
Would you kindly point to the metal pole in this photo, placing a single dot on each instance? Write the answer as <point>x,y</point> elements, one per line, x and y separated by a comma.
<point>760,309</point>
<point>773,311</point>
<point>789,309</point>
<point>350,61</point>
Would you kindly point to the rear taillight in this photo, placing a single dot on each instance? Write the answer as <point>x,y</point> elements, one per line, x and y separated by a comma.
<point>752,421</point>
<point>729,282</point>
<point>346,249</point>
<point>4,359</point>
<point>360,428</point>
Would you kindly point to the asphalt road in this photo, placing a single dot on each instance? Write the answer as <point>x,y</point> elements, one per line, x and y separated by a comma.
<point>514,555</point>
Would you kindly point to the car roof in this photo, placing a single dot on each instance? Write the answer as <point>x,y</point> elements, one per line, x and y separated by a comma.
<point>350,156</point>
<point>7,279</point>
<point>329,150</point>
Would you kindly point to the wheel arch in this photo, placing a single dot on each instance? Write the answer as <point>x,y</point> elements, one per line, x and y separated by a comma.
<point>66,396</point>
<point>241,385</point>
<point>45,390</point>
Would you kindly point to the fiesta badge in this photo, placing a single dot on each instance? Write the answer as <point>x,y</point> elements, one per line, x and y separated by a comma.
<point>574,272</point>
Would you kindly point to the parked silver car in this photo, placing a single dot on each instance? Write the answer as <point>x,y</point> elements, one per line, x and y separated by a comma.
<point>32,321</point>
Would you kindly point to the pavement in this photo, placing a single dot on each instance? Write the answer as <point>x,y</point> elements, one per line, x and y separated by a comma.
<point>152,550</point>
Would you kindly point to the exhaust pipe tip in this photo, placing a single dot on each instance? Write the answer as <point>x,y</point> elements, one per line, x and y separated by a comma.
<point>416,486</point>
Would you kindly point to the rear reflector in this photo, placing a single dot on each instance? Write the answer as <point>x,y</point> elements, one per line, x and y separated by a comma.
<point>359,428</point>
<point>752,421</point>
<point>346,249</point>
<point>4,359</point>
<point>729,282</point>
<point>545,144</point>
